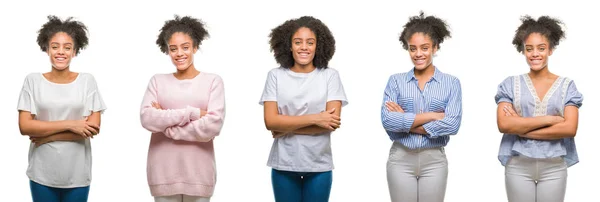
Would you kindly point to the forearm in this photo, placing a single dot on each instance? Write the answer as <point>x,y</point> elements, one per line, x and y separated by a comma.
<point>310,130</point>
<point>521,125</point>
<point>37,128</point>
<point>283,123</point>
<point>421,119</point>
<point>418,130</point>
<point>66,136</point>
<point>554,132</point>
<point>158,120</point>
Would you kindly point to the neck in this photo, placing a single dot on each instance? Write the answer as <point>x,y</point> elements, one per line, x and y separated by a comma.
<point>187,73</point>
<point>539,74</point>
<point>60,74</point>
<point>425,73</point>
<point>298,68</point>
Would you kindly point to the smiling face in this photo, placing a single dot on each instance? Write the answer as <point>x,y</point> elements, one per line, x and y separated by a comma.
<point>537,50</point>
<point>61,49</point>
<point>304,44</point>
<point>181,50</point>
<point>421,49</point>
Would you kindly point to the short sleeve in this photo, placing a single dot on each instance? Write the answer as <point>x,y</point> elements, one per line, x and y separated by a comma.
<point>335,89</point>
<point>26,102</point>
<point>270,90</point>
<point>573,96</point>
<point>505,91</point>
<point>94,101</point>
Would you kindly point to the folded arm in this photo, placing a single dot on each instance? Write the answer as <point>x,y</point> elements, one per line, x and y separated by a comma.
<point>564,129</point>
<point>514,124</point>
<point>208,126</point>
<point>450,124</point>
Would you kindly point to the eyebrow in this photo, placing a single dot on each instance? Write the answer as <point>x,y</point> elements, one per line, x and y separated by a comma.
<point>542,44</point>
<point>425,44</point>
<point>59,43</point>
<point>181,44</point>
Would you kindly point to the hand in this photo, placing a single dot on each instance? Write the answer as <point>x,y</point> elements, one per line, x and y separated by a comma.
<point>202,113</point>
<point>84,128</point>
<point>393,107</point>
<point>277,134</point>
<point>438,115</point>
<point>156,105</point>
<point>509,111</point>
<point>41,140</point>
<point>327,120</point>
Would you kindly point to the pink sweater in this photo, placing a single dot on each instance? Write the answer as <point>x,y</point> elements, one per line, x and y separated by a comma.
<point>181,157</point>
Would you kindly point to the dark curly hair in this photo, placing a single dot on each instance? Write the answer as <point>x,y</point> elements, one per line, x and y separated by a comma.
<point>434,27</point>
<point>546,26</point>
<point>281,41</point>
<point>75,29</point>
<point>188,25</point>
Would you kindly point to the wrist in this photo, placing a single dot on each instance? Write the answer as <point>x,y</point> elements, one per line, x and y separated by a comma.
<point>195,113</point>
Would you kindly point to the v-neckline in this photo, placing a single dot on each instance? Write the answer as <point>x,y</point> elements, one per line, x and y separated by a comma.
<point>534,93</point>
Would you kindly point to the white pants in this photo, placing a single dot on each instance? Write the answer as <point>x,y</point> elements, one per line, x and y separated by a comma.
<point>417,175</point>
<point>536,180</point>
<point>181,198</point>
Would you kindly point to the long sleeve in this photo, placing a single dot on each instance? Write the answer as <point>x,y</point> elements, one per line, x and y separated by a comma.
<point>157,120</point>
<point>450,124</point>
<point>394,121</point>
<point>209,125</point>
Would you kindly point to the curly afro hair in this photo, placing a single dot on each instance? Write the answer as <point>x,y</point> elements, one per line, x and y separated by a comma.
<point>188,25</point>
<point>281,41</point>
<point>75,29</point>
<point>546,26</point>
<point>434,27</point>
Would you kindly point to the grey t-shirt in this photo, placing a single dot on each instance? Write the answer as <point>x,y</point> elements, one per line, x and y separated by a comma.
<point>299,94</point>
<point>60,164</point>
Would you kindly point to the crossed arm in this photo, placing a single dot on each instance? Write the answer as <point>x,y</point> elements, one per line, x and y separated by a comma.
<point>310,124</point>
<point>539,127</point>
<point>42,132</point>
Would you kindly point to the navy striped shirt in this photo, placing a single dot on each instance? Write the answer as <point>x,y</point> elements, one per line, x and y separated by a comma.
<point>442,93</point>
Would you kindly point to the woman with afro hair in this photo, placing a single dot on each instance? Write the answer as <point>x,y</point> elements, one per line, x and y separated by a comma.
<point>421,108</point>
<point>60,111</point>
<point>302,101</point>
<point>184,111</point>
<point>538,114</point>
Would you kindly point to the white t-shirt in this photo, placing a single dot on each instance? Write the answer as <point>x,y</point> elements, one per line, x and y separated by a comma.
<point>60,164</point>
<point>301,94</point>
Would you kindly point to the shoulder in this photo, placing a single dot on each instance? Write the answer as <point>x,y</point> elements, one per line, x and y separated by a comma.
<point>212,77</point>
<point>33,77</point>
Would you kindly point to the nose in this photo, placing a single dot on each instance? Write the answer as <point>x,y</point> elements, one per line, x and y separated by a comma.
<point>179,52</point>
<point>419,53</point>
<point>304,46</point>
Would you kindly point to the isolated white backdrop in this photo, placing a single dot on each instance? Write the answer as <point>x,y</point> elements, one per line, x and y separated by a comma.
<point>122,56</point>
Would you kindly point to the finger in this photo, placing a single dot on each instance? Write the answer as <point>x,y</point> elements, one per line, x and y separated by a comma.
<point>93,125</point>
<point>332,110</point>
<point>92,130</point>
<point>87,133</point>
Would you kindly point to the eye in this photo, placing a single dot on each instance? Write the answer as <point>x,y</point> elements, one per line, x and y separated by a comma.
<point>68,48</point>
<point>528,49</point>
<point>186,48</point>
<point>542,49</point>
<point>173,49</point>
<point>297,43</point>
<point>425,49</point>
<point>412,49</point>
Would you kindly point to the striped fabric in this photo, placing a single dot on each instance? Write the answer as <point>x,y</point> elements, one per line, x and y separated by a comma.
<point>441,94</point>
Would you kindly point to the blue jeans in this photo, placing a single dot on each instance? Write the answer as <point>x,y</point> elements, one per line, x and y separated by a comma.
<point>41,193</point>
<point>301,186</point>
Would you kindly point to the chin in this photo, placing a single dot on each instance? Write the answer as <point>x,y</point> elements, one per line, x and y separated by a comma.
<point>60,67</point>
<point>536,68</point>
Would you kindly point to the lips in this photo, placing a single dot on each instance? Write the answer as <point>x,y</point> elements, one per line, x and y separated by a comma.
<point>535,61</point>
<point>181,60</point>
<point>419,61</point>
<point>60,59</point>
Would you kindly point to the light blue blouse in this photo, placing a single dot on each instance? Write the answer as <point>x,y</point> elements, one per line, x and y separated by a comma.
<point>519,91</point>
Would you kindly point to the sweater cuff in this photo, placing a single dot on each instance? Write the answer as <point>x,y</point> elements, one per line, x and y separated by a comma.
<point>194,113</point>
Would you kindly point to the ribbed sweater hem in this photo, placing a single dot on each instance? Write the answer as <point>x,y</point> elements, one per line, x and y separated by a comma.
<point>182,188</point>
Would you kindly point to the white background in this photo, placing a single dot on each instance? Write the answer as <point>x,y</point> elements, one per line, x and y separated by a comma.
<point>122,55</point>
